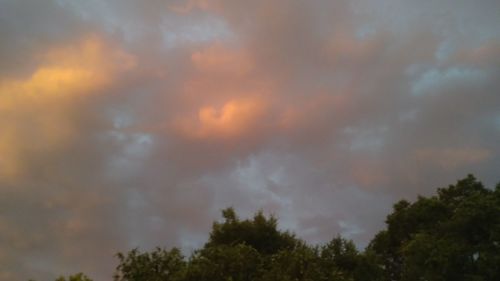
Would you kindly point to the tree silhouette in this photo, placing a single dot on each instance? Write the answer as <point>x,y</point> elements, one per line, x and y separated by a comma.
<point>453,235</point>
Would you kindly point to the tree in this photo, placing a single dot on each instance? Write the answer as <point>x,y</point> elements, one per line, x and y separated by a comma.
<point>159,265</point>
<point>225,262</point>
<point>339,259</point>
<point>451,236</point>
<point>300,263</point>
<point>261,233</point>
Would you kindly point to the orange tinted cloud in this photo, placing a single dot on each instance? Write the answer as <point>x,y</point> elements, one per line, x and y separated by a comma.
<point>72,70</point>
<point>225,97</point>
<point>222,74</point>
<point>218,59</point>
<point>233,119</point>
<point>35,112</point>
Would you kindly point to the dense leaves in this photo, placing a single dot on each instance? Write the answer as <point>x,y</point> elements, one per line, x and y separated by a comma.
<point>224,262</point>
<point>159,265</point>
<point>261,233</point>
<point>454,235</point>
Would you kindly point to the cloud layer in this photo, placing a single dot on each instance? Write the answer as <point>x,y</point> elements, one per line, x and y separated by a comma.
<point>131,124</point>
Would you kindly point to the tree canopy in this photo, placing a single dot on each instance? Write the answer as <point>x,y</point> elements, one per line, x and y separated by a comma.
<point>453,235</point>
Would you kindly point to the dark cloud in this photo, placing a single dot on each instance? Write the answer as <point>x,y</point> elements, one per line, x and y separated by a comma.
<point>131,124</point>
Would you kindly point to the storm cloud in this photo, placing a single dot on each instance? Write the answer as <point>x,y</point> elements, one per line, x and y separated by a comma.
<point>130,124</point>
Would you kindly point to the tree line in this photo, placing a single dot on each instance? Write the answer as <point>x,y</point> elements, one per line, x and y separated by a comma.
<point>452,235</point>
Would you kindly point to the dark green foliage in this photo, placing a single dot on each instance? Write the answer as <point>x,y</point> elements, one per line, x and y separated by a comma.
<point>454,235</point>
<point>248,250</point>
<point>223,262</point>
<point>159,265</point>
<point>300,263</point>
<point>261,233</point>
<point>339,258</point>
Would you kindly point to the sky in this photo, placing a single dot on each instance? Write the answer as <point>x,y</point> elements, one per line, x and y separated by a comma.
<point>129,124</point>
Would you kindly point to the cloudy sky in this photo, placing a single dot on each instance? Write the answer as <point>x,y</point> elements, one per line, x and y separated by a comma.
<point>127,123</point>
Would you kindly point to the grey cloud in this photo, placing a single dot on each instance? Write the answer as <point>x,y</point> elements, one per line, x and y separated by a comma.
<point>346,107</point>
